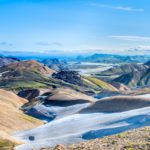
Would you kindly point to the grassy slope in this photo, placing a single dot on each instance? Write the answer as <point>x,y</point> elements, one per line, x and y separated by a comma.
<point>6,144</point>
<point>101,84</point>
<point>11,118</point>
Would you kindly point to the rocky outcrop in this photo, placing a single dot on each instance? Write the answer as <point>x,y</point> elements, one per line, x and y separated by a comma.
<point>32,93</point>
<point>72,77</point>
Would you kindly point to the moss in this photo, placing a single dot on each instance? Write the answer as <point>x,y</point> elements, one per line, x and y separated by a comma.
<point>129,147</point>
<point>101,84</point>
<point>113,142</point>
<point>6,144</point>
<point>23,85</point>
<point>122,135</point>
<point>28,118</point>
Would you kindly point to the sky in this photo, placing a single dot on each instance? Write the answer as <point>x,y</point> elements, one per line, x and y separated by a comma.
<point>75,26</point>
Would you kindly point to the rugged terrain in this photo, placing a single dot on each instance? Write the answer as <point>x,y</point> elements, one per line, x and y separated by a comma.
<point>125,68</point>
<point>86,121</point>
<point>133,75</point>
<point>137,139</point>
<point>56,106</point>
<point>135,78</point>
<point>33,75</point>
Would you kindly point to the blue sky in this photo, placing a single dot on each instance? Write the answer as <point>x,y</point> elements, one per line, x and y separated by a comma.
<point>75,26</point>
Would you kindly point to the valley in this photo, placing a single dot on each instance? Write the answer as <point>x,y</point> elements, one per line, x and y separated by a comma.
<point>74,75</point>
<point>79,102</point>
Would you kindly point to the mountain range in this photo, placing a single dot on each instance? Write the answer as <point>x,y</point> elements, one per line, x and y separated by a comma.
<point>45,103</point>
<point>113,58</point>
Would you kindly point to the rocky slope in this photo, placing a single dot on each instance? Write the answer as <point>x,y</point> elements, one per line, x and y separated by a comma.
<point>135,79</point>
<point>125,68</point>
<point>131,75</point>
<point>137,139</point>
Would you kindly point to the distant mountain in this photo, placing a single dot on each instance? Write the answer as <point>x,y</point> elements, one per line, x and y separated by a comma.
<point>7,60</point>
<point>124,69</point>
<point>147,63</point>
<point>110,58</point>
<point>135,78</point>
<point>56,64</point>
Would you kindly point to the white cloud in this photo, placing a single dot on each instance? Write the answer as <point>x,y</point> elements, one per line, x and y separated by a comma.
<point>131,38</point>
<point>6,44</point>
<point>123,8</point>
<point>140,50</point>
<point>49,44</point>
<point>144,47</point>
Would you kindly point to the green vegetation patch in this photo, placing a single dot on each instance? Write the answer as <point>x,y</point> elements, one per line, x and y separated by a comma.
<point>101,83</point>
<point>6,144</point>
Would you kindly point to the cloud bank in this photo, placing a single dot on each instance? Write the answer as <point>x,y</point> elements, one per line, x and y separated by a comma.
<point>122,8</point>
<point>49,44</point>
<point>131,38</point>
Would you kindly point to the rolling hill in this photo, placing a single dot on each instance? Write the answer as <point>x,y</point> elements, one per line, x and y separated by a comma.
<point>117,104</point>
<point>11,117</point>
<point>24,74</point>
<point>56,103</point>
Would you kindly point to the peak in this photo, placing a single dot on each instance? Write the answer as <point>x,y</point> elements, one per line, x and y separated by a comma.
<point>31,61</point>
